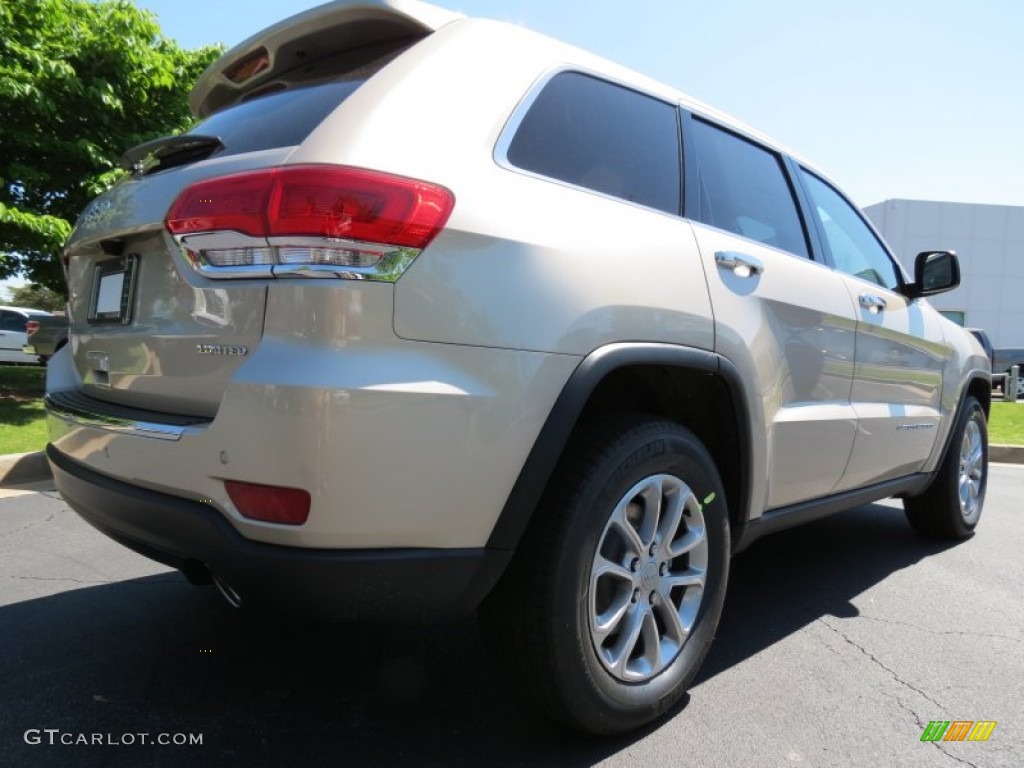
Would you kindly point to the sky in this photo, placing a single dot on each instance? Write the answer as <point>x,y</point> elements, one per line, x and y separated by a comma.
<point>918,99</point>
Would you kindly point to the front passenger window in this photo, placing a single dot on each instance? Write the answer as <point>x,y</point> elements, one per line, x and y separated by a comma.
<point>855,249</point>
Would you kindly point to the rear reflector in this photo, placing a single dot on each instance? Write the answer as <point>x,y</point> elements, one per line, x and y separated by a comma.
<point>323,201</point>
<point>269,503</point>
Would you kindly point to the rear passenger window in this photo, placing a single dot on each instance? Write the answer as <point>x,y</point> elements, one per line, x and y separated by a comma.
<point>601,136</point>
<point>743,190</point>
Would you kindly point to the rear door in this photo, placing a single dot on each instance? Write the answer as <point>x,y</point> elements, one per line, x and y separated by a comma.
<point>901,352</point>
<point>786,321</point>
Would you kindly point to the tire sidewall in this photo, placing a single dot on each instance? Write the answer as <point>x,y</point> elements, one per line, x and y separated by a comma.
<point>972,412</point>
<point>665,450</point>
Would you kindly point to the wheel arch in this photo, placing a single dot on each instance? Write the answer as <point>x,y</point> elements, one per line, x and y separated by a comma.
<point>699,389</point>
<point>978,386</point>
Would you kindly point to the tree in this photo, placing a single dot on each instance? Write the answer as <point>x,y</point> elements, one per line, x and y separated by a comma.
<point>80,82</point>
<point>37,296</point>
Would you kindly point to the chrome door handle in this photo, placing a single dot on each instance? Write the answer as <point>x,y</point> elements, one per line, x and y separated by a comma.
<point>873,304</point>
<point>741,264</point>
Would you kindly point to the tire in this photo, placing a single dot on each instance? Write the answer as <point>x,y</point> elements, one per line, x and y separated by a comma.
<point>951,507</point>
<point>561,623</point>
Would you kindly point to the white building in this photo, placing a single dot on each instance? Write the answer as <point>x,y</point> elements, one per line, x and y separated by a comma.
<point>989,240</point>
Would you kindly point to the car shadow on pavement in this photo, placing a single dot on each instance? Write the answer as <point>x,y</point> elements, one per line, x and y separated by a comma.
<point>789,580</point>
<point>155,655</point>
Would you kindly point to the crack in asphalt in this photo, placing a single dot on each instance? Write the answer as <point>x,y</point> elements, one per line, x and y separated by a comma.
<point>941,631</point>
<point>29,526</point>
<point>878,662</point>
<point>895,676</point>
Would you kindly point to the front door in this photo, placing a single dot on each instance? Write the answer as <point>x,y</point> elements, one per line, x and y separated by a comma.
<point>897,383</point>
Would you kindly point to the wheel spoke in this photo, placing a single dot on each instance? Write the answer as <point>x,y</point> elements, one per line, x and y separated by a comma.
<point>605,567</point>
<point>672,513</point>
<point>670,615</point>
<point>652,496</point>
<point>630,536</point>
<point>694,537</point>
<point>652,642</point>
<point>627,640</point>
<point>608,621</point>
<point>692,577</point>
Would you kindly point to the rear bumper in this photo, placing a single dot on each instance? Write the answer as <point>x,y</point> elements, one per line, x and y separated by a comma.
<point>384,584</point>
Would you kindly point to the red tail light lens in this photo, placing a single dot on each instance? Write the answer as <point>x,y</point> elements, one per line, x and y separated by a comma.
<point>233,203</point>
<point>31,327</point>
<point>332,202</point>
<point>269,503</point>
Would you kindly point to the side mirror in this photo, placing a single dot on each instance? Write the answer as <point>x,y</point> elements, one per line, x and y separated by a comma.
<point>934,272</point>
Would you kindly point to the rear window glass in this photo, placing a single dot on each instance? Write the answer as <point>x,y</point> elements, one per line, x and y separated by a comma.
<point>282,119</point>
<point>604,137</point>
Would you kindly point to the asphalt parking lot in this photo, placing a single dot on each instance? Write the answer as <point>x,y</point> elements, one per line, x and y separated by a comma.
<point>840,642</point>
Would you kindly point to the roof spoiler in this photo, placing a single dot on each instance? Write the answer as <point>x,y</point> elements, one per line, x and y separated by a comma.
<point>308,36</point>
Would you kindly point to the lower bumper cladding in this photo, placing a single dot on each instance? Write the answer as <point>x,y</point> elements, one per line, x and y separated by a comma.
<point>371,584</point>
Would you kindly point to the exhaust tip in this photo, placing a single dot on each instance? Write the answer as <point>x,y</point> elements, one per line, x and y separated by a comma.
<point>196,572</point>
<point>227,592</point>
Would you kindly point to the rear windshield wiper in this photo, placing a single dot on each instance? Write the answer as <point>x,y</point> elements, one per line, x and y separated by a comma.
<point>169,151</point>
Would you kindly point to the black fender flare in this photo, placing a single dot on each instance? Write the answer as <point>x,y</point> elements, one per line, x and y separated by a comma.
<point>554,435</point>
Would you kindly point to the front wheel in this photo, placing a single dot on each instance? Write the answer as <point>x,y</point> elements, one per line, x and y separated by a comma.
<point>612,601</point>
<point>951,507</point>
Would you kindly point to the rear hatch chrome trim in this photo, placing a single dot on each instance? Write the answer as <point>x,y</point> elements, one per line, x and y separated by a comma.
<point>81,410</point>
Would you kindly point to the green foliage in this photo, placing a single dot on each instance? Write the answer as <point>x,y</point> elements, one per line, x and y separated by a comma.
<point>80,82</point>
<point>35,296</point>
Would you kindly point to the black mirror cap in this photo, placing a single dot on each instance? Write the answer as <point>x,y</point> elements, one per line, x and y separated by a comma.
<point>934,272</point>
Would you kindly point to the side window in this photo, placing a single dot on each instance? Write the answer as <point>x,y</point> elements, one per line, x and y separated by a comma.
<point>601,136</point>
<point>12,321</point>
<point>743,189</point>
<point>855,249</point>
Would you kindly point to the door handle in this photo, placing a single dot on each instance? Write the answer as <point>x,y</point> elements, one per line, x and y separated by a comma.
<point>873,304</point>
<point>741,264</point>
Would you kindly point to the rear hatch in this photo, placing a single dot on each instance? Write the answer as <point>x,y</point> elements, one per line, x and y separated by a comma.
<point>151,331</point>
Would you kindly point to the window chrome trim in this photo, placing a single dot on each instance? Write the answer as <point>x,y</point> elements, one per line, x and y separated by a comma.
<point>137,428</point>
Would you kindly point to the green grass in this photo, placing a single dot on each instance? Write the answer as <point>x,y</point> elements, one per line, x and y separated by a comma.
<point>1006,424</point>
<point>22,417</point>
<point>22,425</point>
<point>22,380</point>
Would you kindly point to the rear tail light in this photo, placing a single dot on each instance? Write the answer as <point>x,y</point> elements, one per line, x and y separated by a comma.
<point>360,223</point>
<point>269,503</point>
<point>31,327</point>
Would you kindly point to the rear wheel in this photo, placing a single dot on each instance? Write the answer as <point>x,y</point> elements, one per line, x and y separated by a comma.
<point>609,607</point>
<point>952,505</point>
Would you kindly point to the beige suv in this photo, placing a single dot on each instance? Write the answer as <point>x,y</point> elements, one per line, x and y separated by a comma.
<point>430,314</point>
